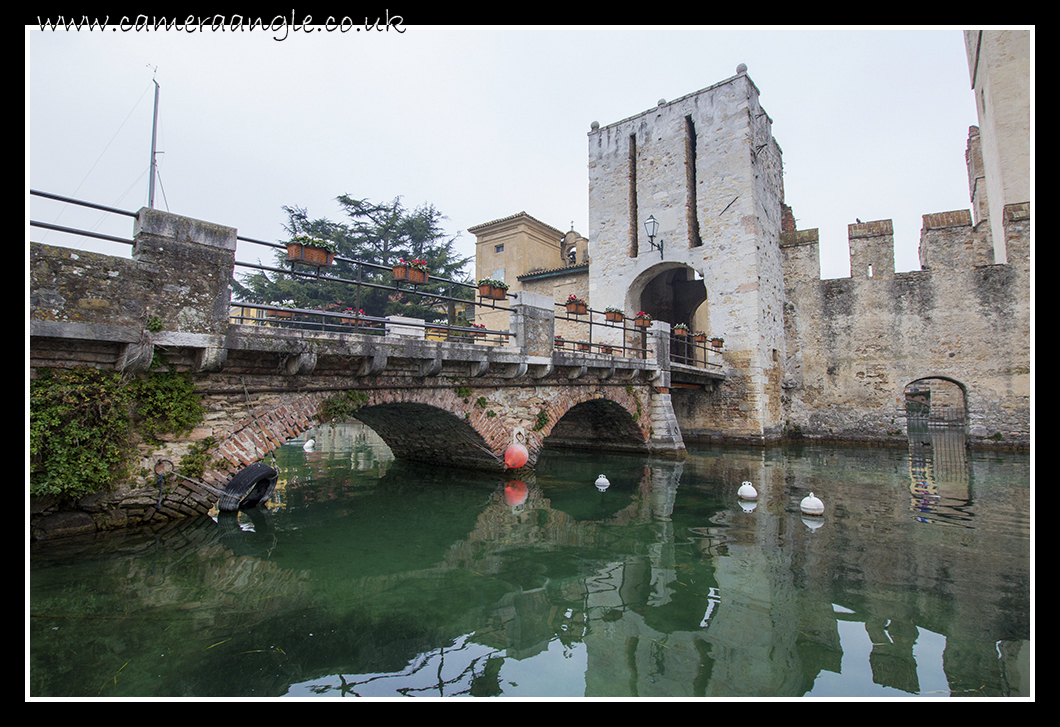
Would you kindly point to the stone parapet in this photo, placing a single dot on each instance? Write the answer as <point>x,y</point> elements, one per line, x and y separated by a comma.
<point>956,218</point>
<point>876,228</point>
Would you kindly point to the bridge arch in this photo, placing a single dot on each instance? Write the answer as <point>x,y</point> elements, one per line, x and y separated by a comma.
<point>450,425</point>
<point>428,433</point>
<point>597,423</point>
<point>591,417</point>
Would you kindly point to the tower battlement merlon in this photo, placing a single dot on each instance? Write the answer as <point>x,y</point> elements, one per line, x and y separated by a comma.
<point>949,242</point>
<point>871,249</point>
<point>876,228</point>
<point>956,218</point>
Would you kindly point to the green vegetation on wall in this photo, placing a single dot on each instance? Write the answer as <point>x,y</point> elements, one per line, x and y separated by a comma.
<point>165,403</point>
<point>82,421</point>
<point>79,432</point>
<point>340,407</point>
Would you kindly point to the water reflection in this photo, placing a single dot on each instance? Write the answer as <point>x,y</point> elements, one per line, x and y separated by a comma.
<point>939,486</point>
<point>370,577</point>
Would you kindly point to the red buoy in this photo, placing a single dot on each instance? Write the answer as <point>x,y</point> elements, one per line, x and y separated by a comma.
<point>515,456</point>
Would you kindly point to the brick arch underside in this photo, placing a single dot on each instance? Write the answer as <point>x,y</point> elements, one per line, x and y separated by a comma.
<point>413,430</point>
<point>426,433</point>
<point>598,424</point>
<point>441,429</point>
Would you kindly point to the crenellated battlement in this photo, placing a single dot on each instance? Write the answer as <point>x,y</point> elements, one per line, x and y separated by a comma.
<point>948,241</point>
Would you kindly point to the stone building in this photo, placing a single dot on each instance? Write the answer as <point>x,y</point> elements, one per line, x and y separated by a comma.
<point>527,254</point>
<point>817,358</point>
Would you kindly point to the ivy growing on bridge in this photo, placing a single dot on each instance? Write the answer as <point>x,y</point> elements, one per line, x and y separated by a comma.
<point>79,432</point>
<point>82,424</point>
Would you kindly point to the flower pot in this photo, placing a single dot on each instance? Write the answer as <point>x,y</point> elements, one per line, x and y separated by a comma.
<point>577,308</point>
<point>559,344</point>
<point>716,343</point>
<point>492,292</point>
<point>299,253</point>
<point>641,322</point>
<point>412,275</point>
<point>680,332</point>
<point>613,317</point>
<point>607,350</point>
<point>584,347</point>
<point>701,338</point>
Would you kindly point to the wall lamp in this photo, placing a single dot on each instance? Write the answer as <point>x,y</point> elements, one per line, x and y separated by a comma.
<point>651,226</point>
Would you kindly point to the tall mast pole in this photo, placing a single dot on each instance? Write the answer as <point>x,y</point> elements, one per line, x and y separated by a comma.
<point>154,133</point>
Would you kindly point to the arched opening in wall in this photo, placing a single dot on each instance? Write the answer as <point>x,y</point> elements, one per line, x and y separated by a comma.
<point>675,293</point>
<point>596,424</point>
<point>936,402</point>
<point>936,413</point>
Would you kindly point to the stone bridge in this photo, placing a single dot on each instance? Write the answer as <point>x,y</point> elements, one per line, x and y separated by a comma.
<point>448,402</point>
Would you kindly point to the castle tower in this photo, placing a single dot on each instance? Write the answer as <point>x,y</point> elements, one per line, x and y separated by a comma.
<point>1000,70</point>
<point>707,169</point>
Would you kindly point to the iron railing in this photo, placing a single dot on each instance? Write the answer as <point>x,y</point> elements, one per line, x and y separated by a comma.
<point>936,415</point>
<point>692,350</point>
<point>590,336</point>
<point>76,231</point>
<point>352,319</point>
<point>632,342</point>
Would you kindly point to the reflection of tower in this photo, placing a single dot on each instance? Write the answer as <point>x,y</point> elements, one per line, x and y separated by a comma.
<point>891,659</point>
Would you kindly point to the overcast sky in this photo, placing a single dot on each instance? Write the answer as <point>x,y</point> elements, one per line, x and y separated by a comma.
<point>481,122</point>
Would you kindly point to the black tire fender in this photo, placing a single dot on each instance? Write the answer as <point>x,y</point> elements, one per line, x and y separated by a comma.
<point>250,487</point>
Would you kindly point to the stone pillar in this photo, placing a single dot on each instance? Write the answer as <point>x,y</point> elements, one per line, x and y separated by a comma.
<point>665,431</point>
<point>189,265</point>
<point>659,342</point>
<point>533,321</point>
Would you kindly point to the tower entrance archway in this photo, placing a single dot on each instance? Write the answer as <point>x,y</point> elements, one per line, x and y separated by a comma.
<point>672,292</point>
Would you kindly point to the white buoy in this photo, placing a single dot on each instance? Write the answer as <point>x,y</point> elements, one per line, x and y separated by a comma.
<point>747,492</point>
<point>308,446</point>
<point>811,505</point>
<point>602,483</point>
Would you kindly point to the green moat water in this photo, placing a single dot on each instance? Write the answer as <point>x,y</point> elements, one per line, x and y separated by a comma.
<point>369,577</point>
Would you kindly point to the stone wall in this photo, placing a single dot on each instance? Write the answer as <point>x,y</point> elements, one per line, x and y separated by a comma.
<point>178,284</point>
<point>855,343</point>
